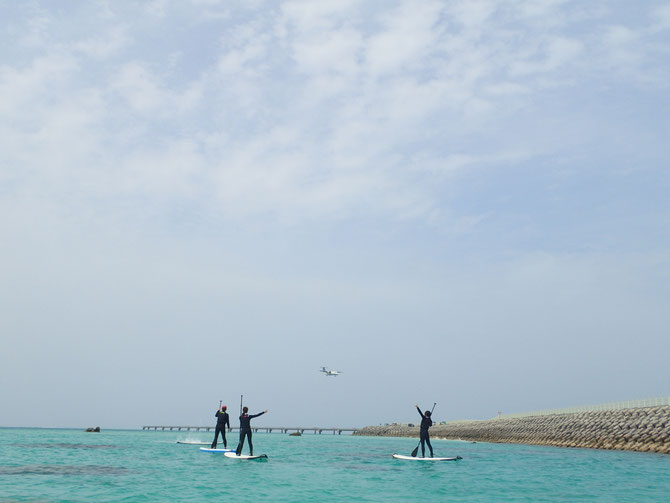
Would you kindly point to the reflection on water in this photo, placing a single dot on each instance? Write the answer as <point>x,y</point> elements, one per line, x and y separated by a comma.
<point>62,470</point>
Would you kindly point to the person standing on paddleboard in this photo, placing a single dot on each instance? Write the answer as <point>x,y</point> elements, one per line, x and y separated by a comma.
<point>426,422</point>
<point>245,430</point>
<point>222,420</point>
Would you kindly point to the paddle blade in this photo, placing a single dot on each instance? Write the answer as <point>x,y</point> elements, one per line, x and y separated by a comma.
<point>415,451</point>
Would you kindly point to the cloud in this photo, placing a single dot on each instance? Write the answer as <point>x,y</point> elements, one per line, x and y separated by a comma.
<point>554,54</point>
<point>660,18</point>
<point>102,46</point>
<point>28,87</point>
<point>308,108</point>
<point>142,90</point>
<point>406,39</point>
<point>36,27</point>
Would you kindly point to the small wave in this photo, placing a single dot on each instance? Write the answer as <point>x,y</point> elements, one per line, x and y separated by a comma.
<point>193,440</point>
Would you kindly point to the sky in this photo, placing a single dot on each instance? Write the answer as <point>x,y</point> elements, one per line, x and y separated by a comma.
<point>452,202</point>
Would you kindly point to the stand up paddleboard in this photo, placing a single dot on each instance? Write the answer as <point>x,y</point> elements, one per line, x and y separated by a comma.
<point>232,455</point>
<point>410,458</point>
<point>224,451</point>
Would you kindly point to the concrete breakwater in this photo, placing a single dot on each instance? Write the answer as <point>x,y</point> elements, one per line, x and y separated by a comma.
<point>640,429</point>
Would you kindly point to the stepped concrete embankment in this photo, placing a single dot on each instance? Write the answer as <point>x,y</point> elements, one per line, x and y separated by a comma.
<point>644,429</point>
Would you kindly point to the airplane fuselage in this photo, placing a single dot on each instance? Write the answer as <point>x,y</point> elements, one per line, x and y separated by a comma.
<point>333,373</point>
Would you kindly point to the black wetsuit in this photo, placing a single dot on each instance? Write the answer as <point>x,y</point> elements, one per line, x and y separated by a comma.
<point>222,420</point>
<point>245,430</point>
<point>426,422</point>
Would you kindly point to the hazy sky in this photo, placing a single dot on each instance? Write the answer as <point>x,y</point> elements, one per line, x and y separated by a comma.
<point>462,202</point>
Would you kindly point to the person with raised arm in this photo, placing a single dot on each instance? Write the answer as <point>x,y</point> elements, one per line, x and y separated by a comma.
<point>222,420</point>
<point>245,430</point>
<point>426,422</point>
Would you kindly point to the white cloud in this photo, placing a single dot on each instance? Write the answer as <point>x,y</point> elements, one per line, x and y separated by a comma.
<point>660,18</point>
<point>247,48</point>
<point>363,98</point>
<point>206,2</point>
<point>473,16</point>
<point>166,171</point>
<point>37,26</point>
<point>305,17</point>
<point>548,57</point>
<point>104,45</point>
<point>405,43</point>
<point>27,86</point>
<point>141,88</point>
<point>634,53</point>
<point>620,41</point>
<point>457,162</point>
<point>157,8</point>
<point>334,51</point>
<point>147,92</point>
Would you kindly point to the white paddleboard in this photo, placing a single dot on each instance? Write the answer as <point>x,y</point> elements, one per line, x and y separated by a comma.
<point>410,458</point>
<point>225,451</point>
<point>232,455</point>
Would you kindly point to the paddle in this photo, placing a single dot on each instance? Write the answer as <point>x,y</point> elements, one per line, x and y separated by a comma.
<point>416,449</point>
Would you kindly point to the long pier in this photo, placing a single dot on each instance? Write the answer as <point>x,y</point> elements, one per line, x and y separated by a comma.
<point>267,429</point>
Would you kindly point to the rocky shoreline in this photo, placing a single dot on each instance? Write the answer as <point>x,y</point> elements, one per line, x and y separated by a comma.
<point>645,429</point>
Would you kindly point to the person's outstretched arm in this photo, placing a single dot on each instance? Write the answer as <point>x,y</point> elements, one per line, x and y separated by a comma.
<point>259,414</point>
<point>420,413</point>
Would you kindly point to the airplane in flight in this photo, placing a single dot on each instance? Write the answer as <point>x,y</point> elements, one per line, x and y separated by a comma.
<point>333,373</point>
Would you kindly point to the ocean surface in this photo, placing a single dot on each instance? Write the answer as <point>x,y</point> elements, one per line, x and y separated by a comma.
<point>42,465</point>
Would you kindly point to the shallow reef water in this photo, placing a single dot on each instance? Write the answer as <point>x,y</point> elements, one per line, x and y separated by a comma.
<point>118,465</point>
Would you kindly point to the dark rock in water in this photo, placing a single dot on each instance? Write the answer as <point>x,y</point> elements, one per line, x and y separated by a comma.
<point>67,446</point>
<point>295,434</point>
<point>62,470</point>
<point>96,429</point>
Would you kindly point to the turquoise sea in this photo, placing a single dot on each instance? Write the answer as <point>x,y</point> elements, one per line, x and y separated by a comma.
<point>42,465</point>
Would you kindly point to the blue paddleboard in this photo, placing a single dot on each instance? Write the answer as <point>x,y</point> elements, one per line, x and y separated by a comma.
<point>209,449</point>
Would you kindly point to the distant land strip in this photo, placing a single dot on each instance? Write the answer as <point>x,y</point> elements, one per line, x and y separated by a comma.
<point>645,429</point>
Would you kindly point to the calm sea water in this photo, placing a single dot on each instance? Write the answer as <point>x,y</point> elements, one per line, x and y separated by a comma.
<point>71,465</point>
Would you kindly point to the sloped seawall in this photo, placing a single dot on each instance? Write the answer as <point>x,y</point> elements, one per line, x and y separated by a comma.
<point>644,429</point>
